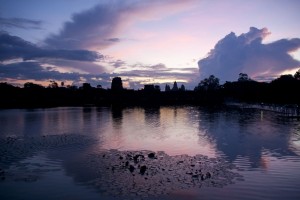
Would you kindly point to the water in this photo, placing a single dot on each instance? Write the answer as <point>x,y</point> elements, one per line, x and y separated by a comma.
<point>264,148</point>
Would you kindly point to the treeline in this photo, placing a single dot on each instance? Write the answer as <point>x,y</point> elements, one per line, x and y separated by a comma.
<point>283,90</point>
<point>37,96</point>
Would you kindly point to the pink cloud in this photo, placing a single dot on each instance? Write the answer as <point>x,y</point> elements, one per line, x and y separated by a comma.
<point>247,54</point>
<point>93,28</point>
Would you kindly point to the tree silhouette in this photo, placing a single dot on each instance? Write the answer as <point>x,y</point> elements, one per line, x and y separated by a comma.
<point>30,85</point>
<point>210,83</point>
<point>53,84</point>
<point>243,77</point>
<point>297,75</point>
<point>6,86</point>
<point>283,89</point>
<point>284,79</point>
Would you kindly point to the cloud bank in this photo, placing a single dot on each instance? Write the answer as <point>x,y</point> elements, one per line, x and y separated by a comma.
<point>13,47</point>
<point>247,54</point>
<point>140,75</point>
<point>100,26</point>
<point>22,60</point>
<point>31,70</point>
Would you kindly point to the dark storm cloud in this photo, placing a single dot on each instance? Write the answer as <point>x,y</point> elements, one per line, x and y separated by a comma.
<point>247,54</point>
<point>33,70</point>
<point>99,26</point>
<point>20,23</point>
<point>12,47</point>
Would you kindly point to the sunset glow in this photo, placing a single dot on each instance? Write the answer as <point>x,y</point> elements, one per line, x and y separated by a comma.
<point>169,41</point>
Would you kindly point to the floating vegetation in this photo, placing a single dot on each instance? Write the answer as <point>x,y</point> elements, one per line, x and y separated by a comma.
<point>125,174</point>
<point>144,173</point>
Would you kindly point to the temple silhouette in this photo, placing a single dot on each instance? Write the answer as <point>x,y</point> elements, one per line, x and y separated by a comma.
<point>283,90</point>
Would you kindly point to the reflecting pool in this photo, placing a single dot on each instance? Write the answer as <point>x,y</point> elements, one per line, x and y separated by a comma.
<point>49,153</point>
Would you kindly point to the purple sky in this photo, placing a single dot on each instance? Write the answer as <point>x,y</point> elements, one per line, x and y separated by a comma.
<point>147,42</point>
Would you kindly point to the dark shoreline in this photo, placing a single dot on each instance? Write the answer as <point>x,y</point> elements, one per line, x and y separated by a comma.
<point>282,91</point>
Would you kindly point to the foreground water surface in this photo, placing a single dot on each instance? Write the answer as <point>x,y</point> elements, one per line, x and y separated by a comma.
<point>55,153</point>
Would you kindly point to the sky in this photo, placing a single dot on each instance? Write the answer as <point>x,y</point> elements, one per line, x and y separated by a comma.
<point>147,42</point>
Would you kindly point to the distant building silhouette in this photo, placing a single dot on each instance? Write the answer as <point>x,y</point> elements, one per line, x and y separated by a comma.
<point>151,87</point>
<point>116,84</point>
<point>86,86</point>
<point>157,87</point>
<point>182,88</point>
<point>175,87</point>
<point>167,88</point>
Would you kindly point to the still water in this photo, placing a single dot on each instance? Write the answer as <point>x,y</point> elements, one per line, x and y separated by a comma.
<point>264,148</point>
